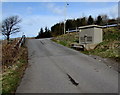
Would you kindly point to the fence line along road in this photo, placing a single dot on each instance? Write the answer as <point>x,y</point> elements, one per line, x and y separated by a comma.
<point>20,42</point>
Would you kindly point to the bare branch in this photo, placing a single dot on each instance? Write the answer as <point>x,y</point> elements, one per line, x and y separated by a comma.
<point>9,26</point>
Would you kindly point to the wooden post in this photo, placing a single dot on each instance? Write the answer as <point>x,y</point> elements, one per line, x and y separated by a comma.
<point>79,35</point>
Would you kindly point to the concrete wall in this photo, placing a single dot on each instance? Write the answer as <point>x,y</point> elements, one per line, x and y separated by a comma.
<point>89,32</point>
<point>98,35</point>
<point>95,33</point>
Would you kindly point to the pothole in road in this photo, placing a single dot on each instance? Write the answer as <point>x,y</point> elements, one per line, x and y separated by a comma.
<point>73,80</point>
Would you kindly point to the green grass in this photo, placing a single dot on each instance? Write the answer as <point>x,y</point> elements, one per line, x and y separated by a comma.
<point>108,48</point>
<point>110,35</point>
<point>67,39</point>
<point>63,43</point>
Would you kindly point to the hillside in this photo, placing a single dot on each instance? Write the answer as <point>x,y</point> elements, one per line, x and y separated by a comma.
<point>109,48</point>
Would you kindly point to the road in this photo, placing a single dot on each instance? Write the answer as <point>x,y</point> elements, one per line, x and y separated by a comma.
<point>54,68</point>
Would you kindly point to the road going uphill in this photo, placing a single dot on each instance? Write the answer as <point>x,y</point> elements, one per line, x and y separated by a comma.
<point>54,68</point>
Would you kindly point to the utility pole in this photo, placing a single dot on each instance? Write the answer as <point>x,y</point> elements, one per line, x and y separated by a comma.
<point>65,12</point>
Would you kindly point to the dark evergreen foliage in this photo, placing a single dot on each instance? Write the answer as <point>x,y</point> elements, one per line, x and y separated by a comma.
<point>90,20</point>
<point>99,20</point>
<point>44,34</point>
<point>71,24</point>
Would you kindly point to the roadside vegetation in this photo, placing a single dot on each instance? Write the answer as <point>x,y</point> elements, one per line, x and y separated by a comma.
<point>71,24</point>
<point>67,39</point>
<point>14,58</point>
<point>109,48</point>
<point>14,62</point>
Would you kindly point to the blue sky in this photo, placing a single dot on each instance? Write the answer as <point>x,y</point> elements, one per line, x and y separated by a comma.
<point>35,15</point>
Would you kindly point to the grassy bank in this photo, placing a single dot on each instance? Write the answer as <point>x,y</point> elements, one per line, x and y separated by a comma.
<point>67,39</point>
<point>109,48</point>
<point>14,63</point>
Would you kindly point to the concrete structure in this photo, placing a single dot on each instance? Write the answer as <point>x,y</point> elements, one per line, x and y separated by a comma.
<point>90,36</point>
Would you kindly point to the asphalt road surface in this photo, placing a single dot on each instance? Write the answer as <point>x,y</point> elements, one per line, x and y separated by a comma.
<point>54,68</point>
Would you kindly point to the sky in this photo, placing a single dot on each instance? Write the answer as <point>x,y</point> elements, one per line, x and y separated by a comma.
<point>35,15</point>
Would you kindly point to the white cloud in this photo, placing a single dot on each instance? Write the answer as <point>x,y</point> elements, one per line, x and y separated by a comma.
<point>30,25</point>
<point>112,11</point>
<point>29,10</point>
<point>55,9</point>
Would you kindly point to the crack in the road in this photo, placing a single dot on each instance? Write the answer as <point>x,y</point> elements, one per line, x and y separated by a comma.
<point>73,80</point>
<point>42,42</point>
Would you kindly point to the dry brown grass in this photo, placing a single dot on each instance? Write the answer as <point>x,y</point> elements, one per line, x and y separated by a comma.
<point>0,52</point>
<point>9,53</point>
<point>12,75</point>
<point>14,63</point>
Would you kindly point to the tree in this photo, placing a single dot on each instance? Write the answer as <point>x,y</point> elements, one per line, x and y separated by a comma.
<point>105,19</point>
<point>47,33</point>
<point>69,24</point>
<point>57,29</point>
<point>99,20</point>
<point>40,34</point>
<point>78,22</point>
<point>83,21</point>
<point>44,34</point>
<point>90,20</point>
<point>9,26</point>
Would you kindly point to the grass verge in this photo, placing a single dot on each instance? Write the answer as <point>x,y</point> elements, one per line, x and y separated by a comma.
<point>12,74</point>
<point>109,48</point>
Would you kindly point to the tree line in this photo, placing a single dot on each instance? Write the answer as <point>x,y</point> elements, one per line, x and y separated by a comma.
<point>46,33</point>
<point>10,25</point>
<point>58,28</point>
